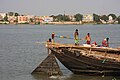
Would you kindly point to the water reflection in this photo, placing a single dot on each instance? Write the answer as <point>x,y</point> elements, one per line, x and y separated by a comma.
<point>73,77</point>
<point>19,54</point>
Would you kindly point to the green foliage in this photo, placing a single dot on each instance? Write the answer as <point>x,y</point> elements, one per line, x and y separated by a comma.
<point>10,13</point>
<point>113,16</point>
<point>54,17</point>
<point>13,14</point>
<point>96,18</point>
<point>16,14</point>
<point>118,19</point>
<point>6,18</point>
<point>31,20</point>
<point>66,18</point>
<point>59,17</point>
<point>78,17</point>
<point>104,17</point>
<point>62,18</point>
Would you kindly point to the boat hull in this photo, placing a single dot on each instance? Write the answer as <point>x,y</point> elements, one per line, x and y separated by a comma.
<point>82,64</point>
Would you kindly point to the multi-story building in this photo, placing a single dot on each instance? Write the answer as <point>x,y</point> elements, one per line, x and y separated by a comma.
<point>12,19</point>
<point>110,19</point>
<point>87,18</point>
<point>47,19</point>
<point>3,14</point>
<point>23,19</point>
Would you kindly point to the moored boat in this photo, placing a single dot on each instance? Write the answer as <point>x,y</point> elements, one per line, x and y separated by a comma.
<point>87,60</point>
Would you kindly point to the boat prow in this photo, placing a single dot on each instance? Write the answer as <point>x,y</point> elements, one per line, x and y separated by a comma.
<point>86,59</point>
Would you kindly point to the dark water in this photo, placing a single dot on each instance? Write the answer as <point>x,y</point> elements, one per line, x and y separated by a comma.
<point>20,54</point>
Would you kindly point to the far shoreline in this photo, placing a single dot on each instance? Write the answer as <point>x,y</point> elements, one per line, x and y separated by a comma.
<point>58,23</point>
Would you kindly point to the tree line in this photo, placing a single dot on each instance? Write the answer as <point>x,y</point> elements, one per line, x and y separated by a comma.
<point>79,17</point>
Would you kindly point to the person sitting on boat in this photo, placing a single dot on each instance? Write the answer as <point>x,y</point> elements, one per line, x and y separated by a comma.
<point>105,42</point>
<point>49,40</point>
<point>94,44</point>
<point>88,38</point>
<point>53,35</point>
<point>76,37</point>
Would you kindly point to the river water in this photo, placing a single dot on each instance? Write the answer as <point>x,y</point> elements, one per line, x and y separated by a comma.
<point>20,52</point>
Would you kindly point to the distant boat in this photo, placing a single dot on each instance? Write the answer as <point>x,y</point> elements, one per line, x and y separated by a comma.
<point>87,60</point>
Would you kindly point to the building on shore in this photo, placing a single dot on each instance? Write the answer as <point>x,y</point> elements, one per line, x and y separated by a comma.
<point>23,19</point>
<point>12,19</point>
<point>87,18</point>
<point>47,19</point>
<point>2,15</point>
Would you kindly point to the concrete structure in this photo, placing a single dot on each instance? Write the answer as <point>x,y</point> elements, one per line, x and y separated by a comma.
<point>87,18</point>
<point>12,19</point>
<point>3,15</point>
<point>23,19</point>
<point>47,19</point>
<point>110,19</point>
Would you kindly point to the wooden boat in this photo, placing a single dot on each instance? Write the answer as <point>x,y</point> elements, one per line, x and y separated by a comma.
<point>87,60</point>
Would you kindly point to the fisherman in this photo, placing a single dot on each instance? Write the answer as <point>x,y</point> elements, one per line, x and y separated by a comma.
<point>105,42</point>
<point>53,35</point>
<point>48,45</point>
<point>94,44</point>
<point>76,37</point>
<point>49,40</point>
<point>88,38</point>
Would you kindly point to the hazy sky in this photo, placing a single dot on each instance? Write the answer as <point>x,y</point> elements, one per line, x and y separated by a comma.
<point>55,7</point>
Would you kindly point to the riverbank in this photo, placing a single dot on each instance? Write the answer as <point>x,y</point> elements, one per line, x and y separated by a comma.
<point>58,23</point>
<point>69,23</point>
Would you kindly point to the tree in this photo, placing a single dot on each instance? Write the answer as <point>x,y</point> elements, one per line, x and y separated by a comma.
<point>78,17</point>
<point>6,18</point>
<point>113,16</point>
<point>59,17</point>
<point>96,18</point>
<point>10,13</point>
<point>66,18</point>
<point>31,20</point>
<point>54,17</point>
<point>118,18</point>
<point>104,17</point>
<point>16,14</point>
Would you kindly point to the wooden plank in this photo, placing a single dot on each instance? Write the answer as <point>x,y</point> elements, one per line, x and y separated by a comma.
<point>58,45</point>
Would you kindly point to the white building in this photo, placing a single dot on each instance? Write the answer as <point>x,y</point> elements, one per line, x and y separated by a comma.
<point>110,19</point>
<point>3,14</point>
<point>87,18</point>
<point>47,19</point>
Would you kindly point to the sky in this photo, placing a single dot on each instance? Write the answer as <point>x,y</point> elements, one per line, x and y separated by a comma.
<point>55,7</point>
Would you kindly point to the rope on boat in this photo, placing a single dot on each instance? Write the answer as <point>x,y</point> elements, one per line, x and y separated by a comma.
<point>104,61</point>
<point>67,37</point>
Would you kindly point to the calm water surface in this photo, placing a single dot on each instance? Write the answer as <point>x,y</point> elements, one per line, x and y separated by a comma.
<point>20,54</point>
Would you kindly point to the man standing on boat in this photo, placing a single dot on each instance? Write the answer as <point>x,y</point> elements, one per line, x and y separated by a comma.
<point>53,35</point>
<point>76,37</point>
<point>88,38</point>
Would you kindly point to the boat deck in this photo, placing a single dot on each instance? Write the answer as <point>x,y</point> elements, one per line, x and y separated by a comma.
<point>58,45</point>
<point>99,52</point>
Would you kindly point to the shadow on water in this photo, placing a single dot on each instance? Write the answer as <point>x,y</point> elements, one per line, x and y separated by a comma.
<point>73,77</point>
